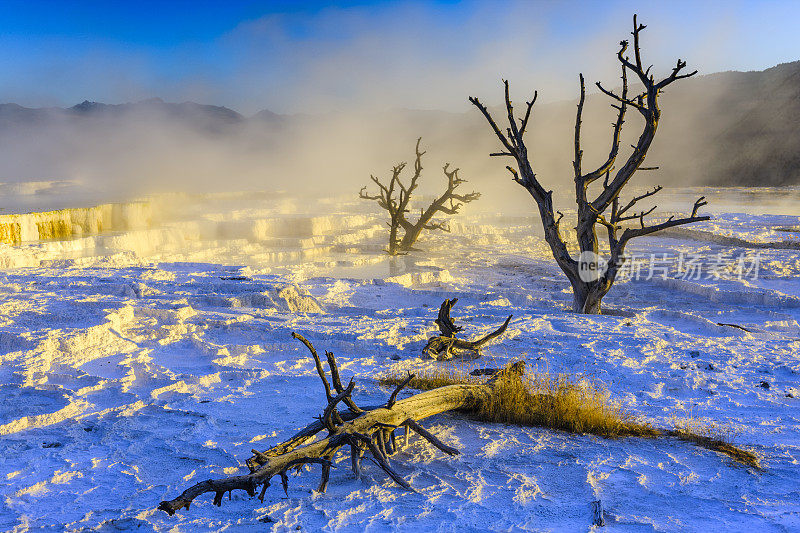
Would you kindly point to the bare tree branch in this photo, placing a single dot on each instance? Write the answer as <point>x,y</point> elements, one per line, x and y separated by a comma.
<point>524,123</point>
<point>514,144</point>
<point>638,198</point>
<point>615,137</point>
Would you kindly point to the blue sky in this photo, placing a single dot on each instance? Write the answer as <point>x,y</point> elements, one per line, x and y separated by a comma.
<point>317,56</point>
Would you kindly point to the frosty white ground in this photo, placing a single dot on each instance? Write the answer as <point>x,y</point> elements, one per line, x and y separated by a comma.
<point>137,363</point>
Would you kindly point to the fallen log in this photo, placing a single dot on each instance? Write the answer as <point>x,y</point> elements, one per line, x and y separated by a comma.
<point>446,345</point>
<point>371,430</point>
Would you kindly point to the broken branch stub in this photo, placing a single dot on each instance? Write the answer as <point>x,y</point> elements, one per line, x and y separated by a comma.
<point>366,431</point>
<point>446,346</point>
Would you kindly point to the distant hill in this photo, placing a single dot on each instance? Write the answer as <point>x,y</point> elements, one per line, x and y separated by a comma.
<point>734,128</point>
<point>204,117</point>
<point>756,134</point>
<point>729,128</point>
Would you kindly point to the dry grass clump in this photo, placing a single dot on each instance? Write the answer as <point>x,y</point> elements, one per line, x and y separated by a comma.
<point>540,399</point>
<point>563,402</point>
<point>710,436</point>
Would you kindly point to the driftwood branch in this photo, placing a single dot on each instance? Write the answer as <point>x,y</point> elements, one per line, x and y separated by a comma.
<point>446,345</point>
<point>370,431</point>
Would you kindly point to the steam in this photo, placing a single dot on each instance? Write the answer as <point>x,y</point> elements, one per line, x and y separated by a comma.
<point>347,80</point>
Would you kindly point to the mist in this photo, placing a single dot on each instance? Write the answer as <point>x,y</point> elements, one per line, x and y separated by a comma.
<point>356,87</point>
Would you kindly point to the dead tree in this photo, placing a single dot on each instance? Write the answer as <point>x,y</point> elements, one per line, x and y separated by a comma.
<point>590,280</point>
<point>370,431</point>
<point>395,198</point>
<point>446,345</point>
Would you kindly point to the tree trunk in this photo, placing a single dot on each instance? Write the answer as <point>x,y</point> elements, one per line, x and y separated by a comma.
<point>393,238</point>
<point>413,231</point>
<point>411,236</point>
<point>587,297</point>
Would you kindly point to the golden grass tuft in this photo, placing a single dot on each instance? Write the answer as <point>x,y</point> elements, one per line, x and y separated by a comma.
<point>567,403</point>
<point>540,399</point>
<point>561,402</point>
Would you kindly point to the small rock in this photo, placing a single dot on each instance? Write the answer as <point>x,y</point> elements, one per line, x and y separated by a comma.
<point>694,353</point>
<point>793,392</point>
<point>395,357</point>
<point>710,366</point>
<point>764,384</point>
<point>484,372</point>
<point>51,445</point>
<point>266,519</point>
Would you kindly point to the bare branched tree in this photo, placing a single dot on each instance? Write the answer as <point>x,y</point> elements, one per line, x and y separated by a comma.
<point>589,284</point>
<point>395,196</point>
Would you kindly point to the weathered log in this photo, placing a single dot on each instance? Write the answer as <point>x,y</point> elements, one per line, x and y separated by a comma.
<point>446,345</point>
<point>366,430</point>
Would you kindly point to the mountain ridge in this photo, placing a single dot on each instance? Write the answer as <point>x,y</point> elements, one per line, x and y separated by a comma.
<point>722,128</point>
